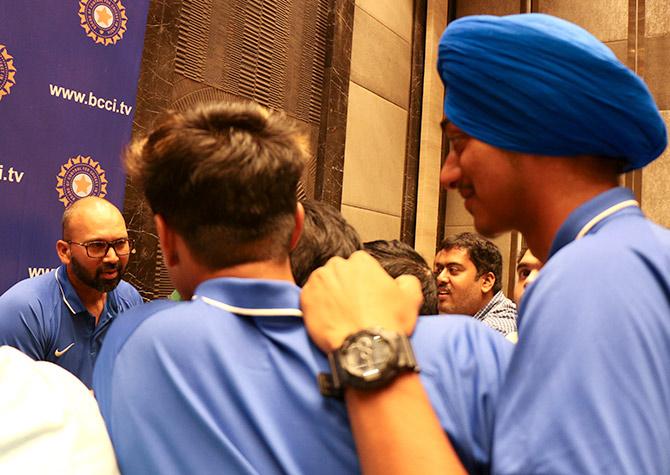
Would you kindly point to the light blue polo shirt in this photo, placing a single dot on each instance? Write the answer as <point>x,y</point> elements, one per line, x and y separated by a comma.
<point>227,383</point>
<point>588,388</point>
<point>44,318</point>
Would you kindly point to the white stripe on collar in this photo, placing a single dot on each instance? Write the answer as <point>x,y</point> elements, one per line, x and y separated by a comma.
<point>62,292</point>
<point>251,312</point>
<point>604,214</point>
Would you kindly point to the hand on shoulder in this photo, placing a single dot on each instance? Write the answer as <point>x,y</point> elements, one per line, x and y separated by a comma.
<point>346,296</point>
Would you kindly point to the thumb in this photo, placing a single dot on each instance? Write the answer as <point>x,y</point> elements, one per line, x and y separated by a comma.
<point>410,293</point>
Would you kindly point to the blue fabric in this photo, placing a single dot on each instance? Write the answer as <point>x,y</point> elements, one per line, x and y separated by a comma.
<point>44,314</point>
<point>537,84</point>
<point>189,387</point>
<point>588,388</point>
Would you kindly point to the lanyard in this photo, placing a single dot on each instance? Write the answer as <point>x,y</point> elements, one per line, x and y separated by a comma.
<point>604,214</point>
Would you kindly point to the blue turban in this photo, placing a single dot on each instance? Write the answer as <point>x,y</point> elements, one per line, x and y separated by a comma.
<point>537,84</point>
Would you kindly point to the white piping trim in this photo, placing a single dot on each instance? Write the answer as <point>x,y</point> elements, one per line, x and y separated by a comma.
<point>252,312</point>
<point>62,292</point>
<point>604,214</point>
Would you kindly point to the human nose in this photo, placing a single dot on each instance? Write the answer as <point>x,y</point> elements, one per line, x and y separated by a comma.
<point>110,255</point>
<point>442,277</point>
<point>450,174</point>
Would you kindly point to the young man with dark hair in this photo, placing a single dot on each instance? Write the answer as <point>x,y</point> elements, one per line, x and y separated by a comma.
<point>468,270</point>
<point>325,234</point>
<point>542,119</point>
<point>63,316</point>
<point>398,258</point>
<point>227,381</point>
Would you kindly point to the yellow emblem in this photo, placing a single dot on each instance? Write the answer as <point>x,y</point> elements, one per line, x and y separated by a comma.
<point>78,178</point>
<point>104,21</point>
<point>7,71</point>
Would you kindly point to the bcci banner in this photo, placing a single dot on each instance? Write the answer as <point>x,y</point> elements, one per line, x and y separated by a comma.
<point>68,80</point>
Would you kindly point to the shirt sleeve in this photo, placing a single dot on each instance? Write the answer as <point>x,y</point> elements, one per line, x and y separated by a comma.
<point>463,365</point>
<point>23,324</point>
<point>587,388</point>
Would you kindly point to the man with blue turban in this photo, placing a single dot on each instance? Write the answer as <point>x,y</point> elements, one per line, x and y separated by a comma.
<point>542,119</point>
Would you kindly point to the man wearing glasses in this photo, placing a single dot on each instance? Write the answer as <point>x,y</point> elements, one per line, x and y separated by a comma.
<point>62,316</point>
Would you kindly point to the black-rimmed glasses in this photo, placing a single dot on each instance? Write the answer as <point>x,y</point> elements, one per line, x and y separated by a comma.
<point>97,249</point>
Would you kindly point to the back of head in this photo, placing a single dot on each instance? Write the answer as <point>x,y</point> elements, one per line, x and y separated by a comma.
<point>537,84</point>
<point>483,253</point>
<point>398,258</point>
<point>325,234</point>
<point>224,176</point>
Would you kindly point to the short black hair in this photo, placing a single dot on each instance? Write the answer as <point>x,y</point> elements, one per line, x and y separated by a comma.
<point>483,253</point>
<point>398,258</point>
<point>325,234</point>
<point>224,176</point>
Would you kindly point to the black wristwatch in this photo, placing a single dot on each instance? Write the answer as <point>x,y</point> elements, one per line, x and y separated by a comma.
<point>368,359</point>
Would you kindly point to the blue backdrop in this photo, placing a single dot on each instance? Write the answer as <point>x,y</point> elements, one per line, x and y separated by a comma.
<point>68,80</point>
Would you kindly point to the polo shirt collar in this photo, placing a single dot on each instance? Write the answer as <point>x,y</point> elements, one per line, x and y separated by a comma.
<point>68,294</point>
<point>72,300</point>
<point>251,297</point>
<point>586,212</point>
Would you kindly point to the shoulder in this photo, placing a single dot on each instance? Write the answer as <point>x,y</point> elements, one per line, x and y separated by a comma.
<point>39,296</point>
<point>125,324</point>
<point>626,264</point>
<point>459,340</point>
<point>35,288</point>
<point>463,366</point>
<point>127,294</point>
<point>120,332</point>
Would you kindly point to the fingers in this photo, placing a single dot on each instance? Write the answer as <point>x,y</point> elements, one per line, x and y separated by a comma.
<point>410,290</point>
<point>346,296</point>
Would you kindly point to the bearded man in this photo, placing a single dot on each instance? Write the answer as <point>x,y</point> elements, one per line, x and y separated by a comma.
<point>62,316</point>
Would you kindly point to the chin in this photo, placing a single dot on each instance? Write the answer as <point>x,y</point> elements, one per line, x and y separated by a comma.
<point>488,229</point>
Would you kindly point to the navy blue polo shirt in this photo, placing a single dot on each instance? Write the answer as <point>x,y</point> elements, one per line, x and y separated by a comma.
<point>44,318</point>
<point>227,383</point>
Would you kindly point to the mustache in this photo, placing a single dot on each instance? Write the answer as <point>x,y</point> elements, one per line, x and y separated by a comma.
<point>110,267</point>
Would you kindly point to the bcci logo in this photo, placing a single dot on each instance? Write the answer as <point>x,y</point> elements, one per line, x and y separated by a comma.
<point>103,20</point>
<point>78,178</point>
<point>7,71</point>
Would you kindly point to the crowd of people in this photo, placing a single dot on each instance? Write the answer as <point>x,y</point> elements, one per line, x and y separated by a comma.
<point>297,348</point>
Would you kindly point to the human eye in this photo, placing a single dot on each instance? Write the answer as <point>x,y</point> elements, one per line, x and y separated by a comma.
<point>453,270</point>
<point>437,270</point>
<point>121,245</point>
<point>523,273</point>
<point>96,247</point>
<point>456,141</point>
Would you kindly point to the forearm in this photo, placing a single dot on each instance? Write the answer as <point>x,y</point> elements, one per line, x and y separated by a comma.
<point>397,431</point>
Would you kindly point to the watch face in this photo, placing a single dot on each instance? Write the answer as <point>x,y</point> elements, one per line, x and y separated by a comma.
<point>367,356</point>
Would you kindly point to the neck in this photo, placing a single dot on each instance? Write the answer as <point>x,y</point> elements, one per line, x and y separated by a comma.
<point>268,270</point>
<point>92,299</point>
<point>487,298</point>
<point>566,184</point>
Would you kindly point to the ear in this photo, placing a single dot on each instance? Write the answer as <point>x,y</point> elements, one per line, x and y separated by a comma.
<point>63,250</point>
<point>167,238</point>
<point>299,223</point>
<point>488,280</point>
